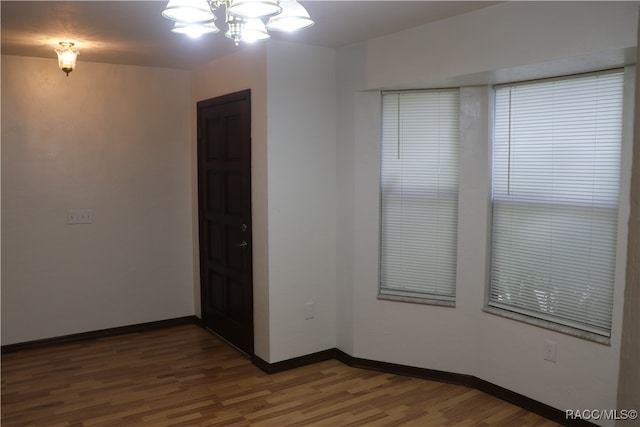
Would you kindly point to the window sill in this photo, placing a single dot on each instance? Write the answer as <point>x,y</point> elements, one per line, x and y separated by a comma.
<point>417,300</point>
<point>556,327</point>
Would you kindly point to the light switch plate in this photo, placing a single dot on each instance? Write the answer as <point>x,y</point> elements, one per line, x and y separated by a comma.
<point>80,216</point>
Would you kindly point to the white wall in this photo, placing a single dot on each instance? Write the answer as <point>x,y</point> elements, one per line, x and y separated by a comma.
<point>488,44</point>
<point>114,139</point>
<point>301,108</point>
<point>350,66</point>
<point>245,69</point>
<point>492,43</point>
<point>293,168</point>
<point>629,378</point>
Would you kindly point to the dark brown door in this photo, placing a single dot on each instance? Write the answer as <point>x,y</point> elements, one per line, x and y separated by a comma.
<point>224,200</point>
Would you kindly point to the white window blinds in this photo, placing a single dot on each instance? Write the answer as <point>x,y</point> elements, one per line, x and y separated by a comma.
<point>419,200</point>
<point>556,173</point>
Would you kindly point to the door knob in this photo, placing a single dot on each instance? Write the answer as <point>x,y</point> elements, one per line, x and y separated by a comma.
<point>243,244</point>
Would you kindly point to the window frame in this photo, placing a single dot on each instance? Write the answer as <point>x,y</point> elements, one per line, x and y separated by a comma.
<point>411,296</point>
<point>626,147</point>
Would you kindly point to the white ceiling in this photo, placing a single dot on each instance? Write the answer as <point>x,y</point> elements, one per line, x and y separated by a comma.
<point>134,33</point>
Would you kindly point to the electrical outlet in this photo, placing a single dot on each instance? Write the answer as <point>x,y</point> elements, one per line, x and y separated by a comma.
<point>550,349</point>
<point>309,310</point>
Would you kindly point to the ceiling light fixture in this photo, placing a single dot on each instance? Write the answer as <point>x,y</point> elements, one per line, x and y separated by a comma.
<point>244,18</point>
<point>195,30</point>
<point>67,56</point>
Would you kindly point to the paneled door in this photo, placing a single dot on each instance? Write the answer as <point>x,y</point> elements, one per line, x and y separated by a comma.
<point>224,207</point>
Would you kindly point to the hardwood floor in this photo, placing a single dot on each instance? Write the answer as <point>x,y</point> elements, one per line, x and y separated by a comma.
<point>184,376</point>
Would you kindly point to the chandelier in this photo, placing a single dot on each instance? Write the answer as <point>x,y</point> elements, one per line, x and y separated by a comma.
<point>245,19</point>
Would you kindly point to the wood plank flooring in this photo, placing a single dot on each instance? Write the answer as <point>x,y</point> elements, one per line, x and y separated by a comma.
<point>184,376</point>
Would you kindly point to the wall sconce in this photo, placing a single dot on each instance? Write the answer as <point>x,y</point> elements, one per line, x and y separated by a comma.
<point>67,56</point>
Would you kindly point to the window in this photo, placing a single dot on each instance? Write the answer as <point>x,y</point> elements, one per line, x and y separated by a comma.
<point>556,174</point>
<point>419,200</point>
